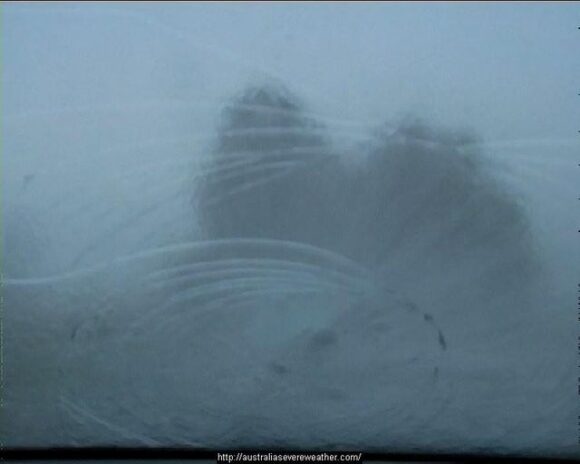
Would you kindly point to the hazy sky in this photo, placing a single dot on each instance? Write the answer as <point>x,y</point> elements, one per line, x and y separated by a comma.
<point>507,70</point>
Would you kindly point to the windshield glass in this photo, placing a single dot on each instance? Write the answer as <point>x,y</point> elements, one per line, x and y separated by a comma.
<point>340,226</point>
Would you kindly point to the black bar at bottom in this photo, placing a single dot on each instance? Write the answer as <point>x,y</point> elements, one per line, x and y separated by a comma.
<point>111,453</point>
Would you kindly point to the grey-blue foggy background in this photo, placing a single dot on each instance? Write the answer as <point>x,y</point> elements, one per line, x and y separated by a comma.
<point>315,226</point>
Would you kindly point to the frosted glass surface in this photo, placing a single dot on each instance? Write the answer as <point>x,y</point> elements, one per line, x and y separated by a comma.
<point>291,226</point>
